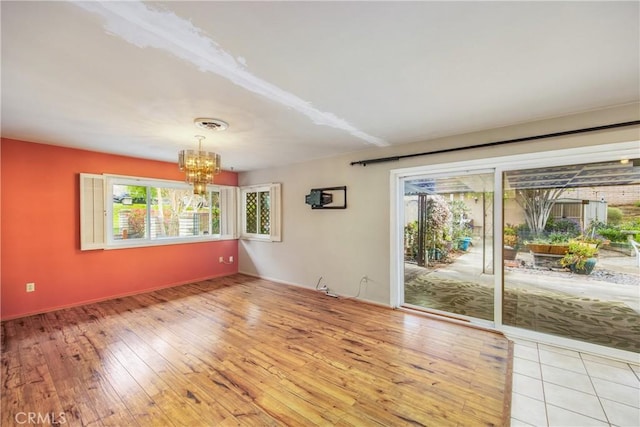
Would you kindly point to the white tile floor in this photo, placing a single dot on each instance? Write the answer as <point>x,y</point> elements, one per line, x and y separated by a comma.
<point>556,387</point>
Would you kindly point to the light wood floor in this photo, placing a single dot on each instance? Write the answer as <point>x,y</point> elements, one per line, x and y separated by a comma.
<point>243,351</point>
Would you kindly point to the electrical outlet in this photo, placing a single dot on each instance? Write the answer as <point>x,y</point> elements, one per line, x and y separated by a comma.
<point>31,287</point>
<point>230,259</point>
<point>221,259</point>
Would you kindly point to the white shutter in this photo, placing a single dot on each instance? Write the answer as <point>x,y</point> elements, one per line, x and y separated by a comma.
<point>275,191</point>
<point>92,212</point>
<point>228,212</point>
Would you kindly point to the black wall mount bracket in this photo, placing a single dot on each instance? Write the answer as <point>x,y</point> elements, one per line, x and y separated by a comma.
<point>323,198</point>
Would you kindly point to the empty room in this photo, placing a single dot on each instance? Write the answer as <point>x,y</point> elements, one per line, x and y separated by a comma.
<point>322,213</point>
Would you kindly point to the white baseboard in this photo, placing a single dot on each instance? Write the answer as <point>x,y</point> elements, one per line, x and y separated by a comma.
<point>297,285</point>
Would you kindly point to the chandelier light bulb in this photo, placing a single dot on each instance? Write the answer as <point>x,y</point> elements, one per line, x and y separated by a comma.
<point>199,167</point>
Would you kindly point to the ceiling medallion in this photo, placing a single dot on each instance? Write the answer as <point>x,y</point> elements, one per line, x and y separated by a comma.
<point>211,124</point>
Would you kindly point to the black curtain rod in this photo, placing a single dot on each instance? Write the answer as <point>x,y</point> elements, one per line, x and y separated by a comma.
<point>493,144</point>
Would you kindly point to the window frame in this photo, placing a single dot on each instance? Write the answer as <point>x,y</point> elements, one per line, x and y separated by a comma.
<point>617,151</point>
<point>275,217</point>
<point>93,212</point>
<point>112,243</point>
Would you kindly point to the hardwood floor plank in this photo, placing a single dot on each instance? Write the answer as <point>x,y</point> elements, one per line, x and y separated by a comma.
<point>38,392</point>
<point>248,352</point>
<point>187,375</point>
<point>91,347</point>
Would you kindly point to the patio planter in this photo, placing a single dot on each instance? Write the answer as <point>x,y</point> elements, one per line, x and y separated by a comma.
<point>463,244</point>
<point>435,254</point>
<point>558,249</point>
<point>588,267</point>
<point>545,248</point>
<point>509,253</point>
<point>620,247</point>
<point>581,258</point>
<point>550,261</point>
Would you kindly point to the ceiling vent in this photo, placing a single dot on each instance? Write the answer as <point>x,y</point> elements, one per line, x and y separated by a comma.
<point>211,124</point>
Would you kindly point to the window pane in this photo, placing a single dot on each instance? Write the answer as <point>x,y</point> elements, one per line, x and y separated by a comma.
<point>215,212</point>
<point>264,212</point>
<point>448,241</point>
<point>251,208</point>
<point>572,270</point>
<point>201,214</point>
<point>260,212</point>
<point>178,213</point>
<point>129,212</point>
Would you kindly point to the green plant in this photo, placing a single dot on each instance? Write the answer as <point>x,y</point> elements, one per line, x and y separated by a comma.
<point>510,237</point>
<point>613,234</point>
<point>552,239</point>
<point>570,227</point>
<point>614,215</point>
<point>510,240</point>
<point>137,220</point>
<point>459,223</point>
<point>558,238</point>
<point>578,254</point>
<point>620,232</point>
<point>437,230</point>
<point>439,222</point>
<point>411,238</point>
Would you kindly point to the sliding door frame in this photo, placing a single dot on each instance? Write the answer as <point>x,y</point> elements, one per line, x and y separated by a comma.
<point>596,153</point>
<point>459,173</point>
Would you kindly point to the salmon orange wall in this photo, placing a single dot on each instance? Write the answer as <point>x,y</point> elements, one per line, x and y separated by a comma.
<point>41,234</point>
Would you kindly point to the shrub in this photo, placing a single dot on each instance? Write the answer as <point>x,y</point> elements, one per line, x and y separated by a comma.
<point>137,221</point>
<point>613,234</point>
<point>619,232</point>
<point>510,230</point>
<point>559,237</point>
<point>566,226</point>
<point>440,216</point>
<point>523,231</point>
<point>578,255</point>
<point>614,215</point>
<point>458,215</point>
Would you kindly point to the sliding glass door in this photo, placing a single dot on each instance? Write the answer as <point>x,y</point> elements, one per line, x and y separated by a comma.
<point>448,244</point>
<point>574,271</point>
<point>555,256</point>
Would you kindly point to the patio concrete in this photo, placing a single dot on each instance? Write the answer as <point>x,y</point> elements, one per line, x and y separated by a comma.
<point>467,267</point>
<point>586,308</point>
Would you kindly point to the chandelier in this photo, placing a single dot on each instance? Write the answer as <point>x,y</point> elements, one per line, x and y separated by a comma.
<point>199,167</point>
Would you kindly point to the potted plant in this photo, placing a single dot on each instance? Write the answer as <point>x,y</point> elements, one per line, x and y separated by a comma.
<point>581,257</point>
<point>510,243</point>
<point>547,251</point>
<point>554,244</point>
<point>594,242</point>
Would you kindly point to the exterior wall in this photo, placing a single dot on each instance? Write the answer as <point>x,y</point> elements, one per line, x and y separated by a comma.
<point>40,239</point>
<point>344,245</point>
<point>614,196</point>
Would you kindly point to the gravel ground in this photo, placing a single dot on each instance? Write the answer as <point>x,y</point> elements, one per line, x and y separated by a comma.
<point>598,274</point>
<point>526,266</point>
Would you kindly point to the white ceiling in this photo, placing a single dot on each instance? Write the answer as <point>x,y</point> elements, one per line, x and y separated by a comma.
<point>303,80</point>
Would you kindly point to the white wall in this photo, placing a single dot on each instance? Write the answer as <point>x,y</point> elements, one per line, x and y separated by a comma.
<point>343,245</point>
